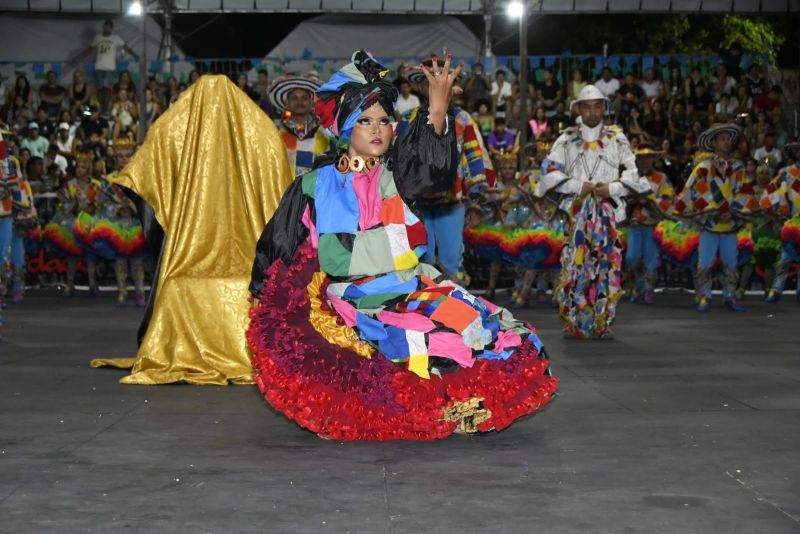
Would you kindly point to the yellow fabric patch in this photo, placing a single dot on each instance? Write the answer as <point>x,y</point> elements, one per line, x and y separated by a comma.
<point>328,326</point>
<point>406,261</point>
<point>418,364</point>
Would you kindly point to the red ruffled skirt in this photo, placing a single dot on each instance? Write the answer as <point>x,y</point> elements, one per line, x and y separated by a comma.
<point>340,395</point>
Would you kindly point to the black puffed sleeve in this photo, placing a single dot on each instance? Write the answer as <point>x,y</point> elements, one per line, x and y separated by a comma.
<point>282,235</point>
<point>422,160</point>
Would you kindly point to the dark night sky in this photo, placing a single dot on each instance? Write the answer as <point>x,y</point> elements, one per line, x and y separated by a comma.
<point>253,35</point>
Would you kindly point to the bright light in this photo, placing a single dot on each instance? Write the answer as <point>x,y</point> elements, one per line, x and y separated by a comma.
<point>135,9</point>
<point>515,9</point>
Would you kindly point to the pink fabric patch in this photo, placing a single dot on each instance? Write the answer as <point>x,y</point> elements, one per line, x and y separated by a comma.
<point>450,345</point>
<point>369,199</point>
<point>507,339</point>
<point>407,321</point>
<point>311,227</point>
<point>492,307</point>
<point>345,310</point>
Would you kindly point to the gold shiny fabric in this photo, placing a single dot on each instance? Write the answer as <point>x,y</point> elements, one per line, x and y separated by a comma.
<point>328,325</point>
<point>213,168</point>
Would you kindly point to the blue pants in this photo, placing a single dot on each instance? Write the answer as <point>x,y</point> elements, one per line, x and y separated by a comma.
<point>783,269</point>
<point>445,228</point>
<point>642,248</point>
<point>712,244</point>
<point>6,233</point>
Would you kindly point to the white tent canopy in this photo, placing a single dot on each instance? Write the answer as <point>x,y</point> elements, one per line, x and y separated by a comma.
<point>337,36</point>
<point>26,37</point>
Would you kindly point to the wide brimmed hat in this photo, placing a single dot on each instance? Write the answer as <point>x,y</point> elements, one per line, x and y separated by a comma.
<point>705,141</point>
<point>279,92</point>
<point>647,151</point>
<point>792,148</point>
<point>417,75</point>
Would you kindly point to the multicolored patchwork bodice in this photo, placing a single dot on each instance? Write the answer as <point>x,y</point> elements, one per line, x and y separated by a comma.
<point>717,187</point>
<point>361,226</point>
<point>782,195</point>
<point>301,146</point>
<point>656,203</point>
<point>9,184</point>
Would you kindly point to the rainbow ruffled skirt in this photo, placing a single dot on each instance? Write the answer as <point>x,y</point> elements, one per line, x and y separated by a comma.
<point>109,238</point>
<point>533,248</point>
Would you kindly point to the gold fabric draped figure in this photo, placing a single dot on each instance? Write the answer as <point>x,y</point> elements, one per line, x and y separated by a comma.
<point>213,168</point>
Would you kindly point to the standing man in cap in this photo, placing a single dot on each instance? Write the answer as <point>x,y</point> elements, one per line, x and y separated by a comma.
<point>716,198</point>
<point>645,211</point>
<point>444,213</point>
<point>583,172</point>
<point>782,198</point>
<point>293,98</point>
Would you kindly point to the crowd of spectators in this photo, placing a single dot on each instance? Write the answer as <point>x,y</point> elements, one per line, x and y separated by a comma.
<point>662,112</point>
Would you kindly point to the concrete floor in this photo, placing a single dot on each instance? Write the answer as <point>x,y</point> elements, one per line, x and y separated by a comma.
<point>684,423</point>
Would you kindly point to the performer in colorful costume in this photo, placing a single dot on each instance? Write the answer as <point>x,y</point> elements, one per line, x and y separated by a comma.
<point>293,97</point>
<point>782,198</point>
<point>764,233</point>
<point>18,222</point>
<point>444,211</point>
<point>644,212</point>
<point>582,173</point>
<point>124,232</point>
<point>81,195</point>
<point>717,197</point>
<point>354,338</point>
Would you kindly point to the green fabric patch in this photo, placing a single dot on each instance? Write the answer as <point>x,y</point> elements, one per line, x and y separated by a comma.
<point>372,254</point>
<point>387,185</point>
<point>376,300</point>
<point>334,259</point>
<point>309,183</point>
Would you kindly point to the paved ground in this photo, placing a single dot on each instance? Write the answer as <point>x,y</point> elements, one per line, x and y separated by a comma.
<point>684,423</point>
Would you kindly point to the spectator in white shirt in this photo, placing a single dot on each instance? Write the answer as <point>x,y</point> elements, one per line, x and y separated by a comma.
<point>722,83</point>
<point>769,151</point>
<point>652,87</point>
<point>406,101</point>
<point>106,45</point>
<point>609,86</point>
<point>53,157</point>
<point>501,92</point>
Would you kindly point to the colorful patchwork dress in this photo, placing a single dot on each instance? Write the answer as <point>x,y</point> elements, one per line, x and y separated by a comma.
<point>354,338</point>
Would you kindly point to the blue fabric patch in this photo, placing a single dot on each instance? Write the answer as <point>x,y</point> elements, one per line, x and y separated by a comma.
<point>491,355</point>
<point>389,283</point>
<point>536,342</point>
<point>304,159</point>
<point>395,345</point>
<point>353,293</point>
<point>337,206</point>
<point>493,327</point>
<point>413,305</point>
<point>369,328</point>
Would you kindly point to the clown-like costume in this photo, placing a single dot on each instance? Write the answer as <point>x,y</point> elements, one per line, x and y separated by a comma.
<point>644,213</point>
<point>352,336</point>
<point>716,198</point>
<point>590,282</point>
<point>782,198</point>
<point>302,136</point>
